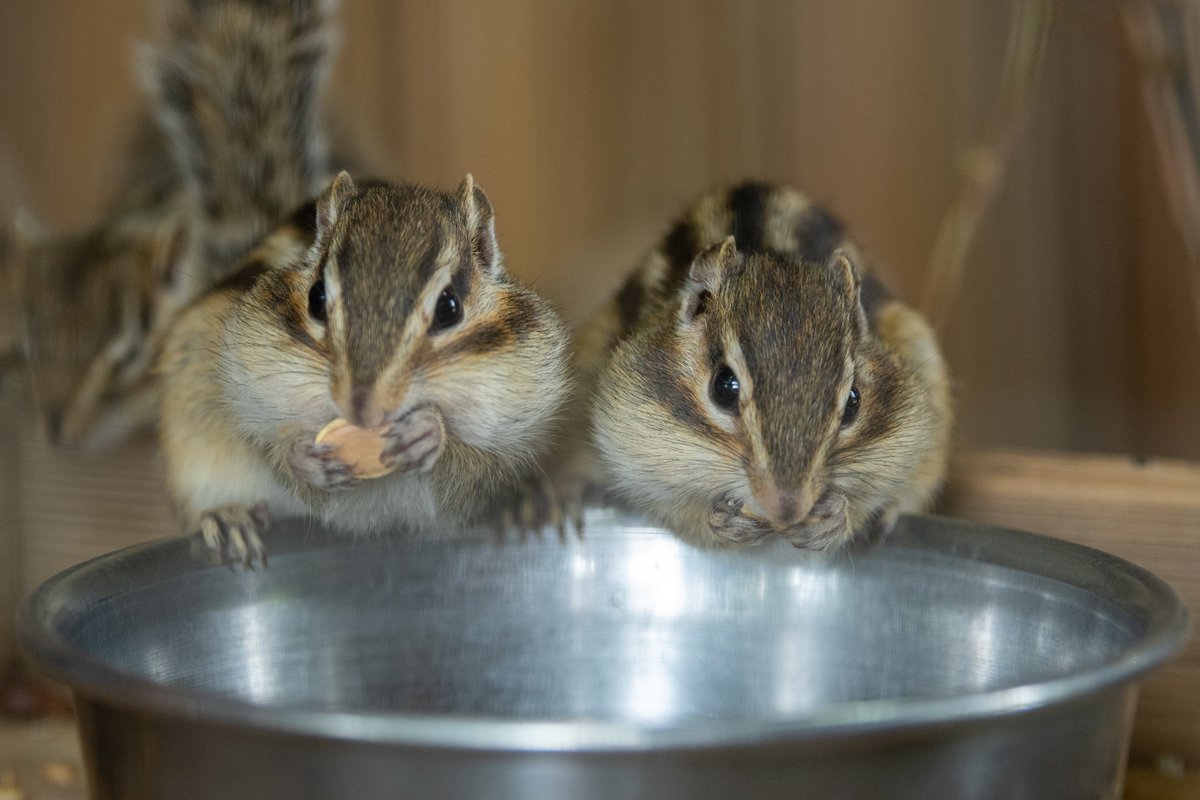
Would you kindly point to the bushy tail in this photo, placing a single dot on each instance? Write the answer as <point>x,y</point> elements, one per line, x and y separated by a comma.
<point>236,86</point>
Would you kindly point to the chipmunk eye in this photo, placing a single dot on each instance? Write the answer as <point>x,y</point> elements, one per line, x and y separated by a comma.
<point>725,389</point>
<point>851,411</point>
<point>448,310</point>
<point>316,301</point>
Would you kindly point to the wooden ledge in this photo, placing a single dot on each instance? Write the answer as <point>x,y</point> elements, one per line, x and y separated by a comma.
<point>1147,512</point>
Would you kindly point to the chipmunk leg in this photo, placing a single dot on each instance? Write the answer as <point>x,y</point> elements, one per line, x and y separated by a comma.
<point>539,503</point>
<point>232,535</point>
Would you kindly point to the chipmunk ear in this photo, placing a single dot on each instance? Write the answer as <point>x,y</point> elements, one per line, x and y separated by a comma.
<point>709,267</point>
<point>705,275</point>
<point>844,267</point>
<point>331,203</point>
<point>481,225</point>
<point>841,263</point>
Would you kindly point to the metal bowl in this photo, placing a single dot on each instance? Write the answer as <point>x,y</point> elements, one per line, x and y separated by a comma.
<point>955,661</point>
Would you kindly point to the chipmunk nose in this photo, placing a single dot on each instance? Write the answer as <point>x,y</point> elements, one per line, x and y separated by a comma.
<point>360,398</point>
<point>784,507</point>
<point>372,406</point>
<point>794,506</point>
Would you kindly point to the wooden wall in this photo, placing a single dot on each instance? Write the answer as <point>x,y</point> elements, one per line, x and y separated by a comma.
<point>591,123</point>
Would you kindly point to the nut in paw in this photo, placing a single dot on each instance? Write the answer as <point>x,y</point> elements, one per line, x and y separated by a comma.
<point>360,448</point>
<point>321,466</point>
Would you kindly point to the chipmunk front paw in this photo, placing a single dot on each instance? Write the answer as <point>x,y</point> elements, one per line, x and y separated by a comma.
<point>231,535</point>
<point>729,524</point>
<point>320,466</point>
<point>825,527</point>
<point>414,440</point>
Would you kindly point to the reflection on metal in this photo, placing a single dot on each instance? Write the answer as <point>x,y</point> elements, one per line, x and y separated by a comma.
<point>988,662</point>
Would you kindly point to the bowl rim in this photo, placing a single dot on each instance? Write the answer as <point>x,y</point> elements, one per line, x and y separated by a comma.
<point>1158,606</point>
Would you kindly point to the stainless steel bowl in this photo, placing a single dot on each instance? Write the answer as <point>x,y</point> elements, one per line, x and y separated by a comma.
<point>956,661</point>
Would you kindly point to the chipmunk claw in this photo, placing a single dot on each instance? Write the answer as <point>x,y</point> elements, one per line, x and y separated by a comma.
<point>824,528</point>
<point>319,466</point>
<point>232,535</point>
<point>414,440</point>
<point>729,524</point>
<point>540,504</point>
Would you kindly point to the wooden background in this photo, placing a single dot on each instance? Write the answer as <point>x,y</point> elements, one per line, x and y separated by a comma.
<point>591,123</point>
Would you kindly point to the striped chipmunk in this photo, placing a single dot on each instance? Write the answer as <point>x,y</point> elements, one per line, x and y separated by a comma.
<point>231,144</point>
<point>753,378</point>
<point>371,363</point>
<point>89,305</point>
<point>389,374</point>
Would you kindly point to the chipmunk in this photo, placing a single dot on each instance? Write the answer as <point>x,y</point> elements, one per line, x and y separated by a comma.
<point>88,308</point>
<point>233,143</point>
<point>753,378</point>
<point>400,317</point>
<point>386,307</point>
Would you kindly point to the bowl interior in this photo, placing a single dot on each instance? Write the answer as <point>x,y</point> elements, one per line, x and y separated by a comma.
<point>627,625</point>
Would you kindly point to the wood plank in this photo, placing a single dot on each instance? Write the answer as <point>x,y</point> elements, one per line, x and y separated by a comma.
<point>39,760</point>
<point>1147,512</point>
<point>75,506</point>
<point>1147,783</point>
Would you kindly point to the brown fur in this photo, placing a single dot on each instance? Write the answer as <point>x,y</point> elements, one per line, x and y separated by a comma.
<point>90,310</point>
<point>250,375</point>
<point>235,143</point>
<point>758,279</point>
<point>236,87</point>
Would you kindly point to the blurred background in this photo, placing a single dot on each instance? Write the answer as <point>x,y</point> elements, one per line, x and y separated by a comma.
<point>592,123</point>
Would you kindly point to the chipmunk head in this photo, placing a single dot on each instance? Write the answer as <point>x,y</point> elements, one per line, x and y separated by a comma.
<point>760,389</point>
<point>405,298</point>
<point>90,307</point>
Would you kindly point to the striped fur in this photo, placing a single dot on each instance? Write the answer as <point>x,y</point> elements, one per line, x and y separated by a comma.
<point>91,305</point>
<point>236,85</point>
<point>234,144</point>
<point>758,279</point>
<point>251,375</point>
